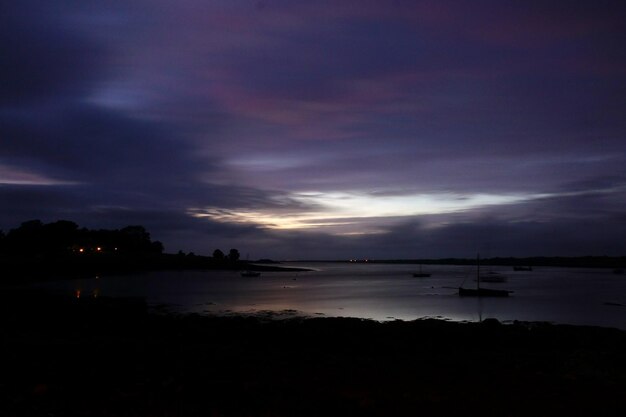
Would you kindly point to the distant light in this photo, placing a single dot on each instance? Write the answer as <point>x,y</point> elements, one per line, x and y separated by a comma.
<point>77,293</point>
<point>81,250</point>
<point>98,248</point>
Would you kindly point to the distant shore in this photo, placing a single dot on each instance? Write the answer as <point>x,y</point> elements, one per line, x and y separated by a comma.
<point>108,357</point>
<point>612,262</point>
<point>25,269</point>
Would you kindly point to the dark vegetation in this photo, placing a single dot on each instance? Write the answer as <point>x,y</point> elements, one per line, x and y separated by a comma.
<point>105,357</point>
<point>36,250</point>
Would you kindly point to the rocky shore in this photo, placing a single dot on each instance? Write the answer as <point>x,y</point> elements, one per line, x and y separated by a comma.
<point>114,357</point>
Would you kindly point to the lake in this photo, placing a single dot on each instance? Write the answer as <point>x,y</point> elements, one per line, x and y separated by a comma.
<point>375,291</point>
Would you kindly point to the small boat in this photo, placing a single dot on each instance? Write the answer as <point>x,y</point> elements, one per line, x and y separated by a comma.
<point>481,292</point>
<point>492,277</point>
<point>522,268</point>
<point>421,274</point>
<point>250,274</point>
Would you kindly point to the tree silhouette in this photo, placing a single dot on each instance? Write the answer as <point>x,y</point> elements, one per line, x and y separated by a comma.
<point>63,238</point>
<point>233,255</point>
<point>157,247</point>
<point>218,255</point>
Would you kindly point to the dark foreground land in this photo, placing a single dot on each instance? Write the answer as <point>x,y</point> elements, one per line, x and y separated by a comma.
<point>104,357</point>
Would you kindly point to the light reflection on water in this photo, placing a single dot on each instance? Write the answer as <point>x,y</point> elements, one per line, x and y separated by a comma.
<point>377,291</point>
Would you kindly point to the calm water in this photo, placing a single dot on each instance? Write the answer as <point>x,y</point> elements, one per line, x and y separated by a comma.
<point>381,292</point>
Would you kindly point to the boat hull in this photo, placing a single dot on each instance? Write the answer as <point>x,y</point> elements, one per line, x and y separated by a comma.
<point>483,292</point>
<point>493,278</point>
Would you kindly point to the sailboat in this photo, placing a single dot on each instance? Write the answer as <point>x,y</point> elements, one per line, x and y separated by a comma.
<point>249,273</point>
<point>481,292</point>
<point>421,274</point>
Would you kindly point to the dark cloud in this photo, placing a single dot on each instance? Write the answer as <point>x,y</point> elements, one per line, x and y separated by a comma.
<point>42,57</point>
<point>89,143</point>
<point>20,203</point>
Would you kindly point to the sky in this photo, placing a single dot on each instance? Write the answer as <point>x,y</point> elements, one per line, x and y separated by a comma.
<point>320,129</point>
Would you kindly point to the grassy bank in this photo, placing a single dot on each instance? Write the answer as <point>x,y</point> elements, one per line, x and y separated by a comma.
<point>105,357</point>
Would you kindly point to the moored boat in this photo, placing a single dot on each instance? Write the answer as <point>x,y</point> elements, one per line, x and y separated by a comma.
<point>522,268</point>
<point>492,277</point>
<point>481,292</point>
<point>421,274</point>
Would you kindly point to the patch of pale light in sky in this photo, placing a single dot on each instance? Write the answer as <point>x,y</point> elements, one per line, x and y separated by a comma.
<point>363,205</point>
<point>346,213</point>
<point>17,176</point>
<point>118,96</point>
<point>268,219</point>
<point>269,163</point>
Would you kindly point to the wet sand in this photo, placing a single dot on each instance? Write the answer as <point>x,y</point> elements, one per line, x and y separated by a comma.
<point>106,357</point>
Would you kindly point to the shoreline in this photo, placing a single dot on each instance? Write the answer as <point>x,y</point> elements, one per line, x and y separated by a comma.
<point>112,357</point>
<point>25,271</point>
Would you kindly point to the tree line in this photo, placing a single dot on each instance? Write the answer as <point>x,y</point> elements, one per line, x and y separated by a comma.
<point>64,239</point>
<point>34,239</point>
<point>59,249</point>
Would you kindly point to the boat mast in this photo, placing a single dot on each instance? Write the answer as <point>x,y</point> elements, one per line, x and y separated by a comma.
<point>478,271</point>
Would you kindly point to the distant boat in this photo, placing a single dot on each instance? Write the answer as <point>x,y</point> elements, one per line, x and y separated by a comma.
<point>522,268</point>
<point>421,274</point>
<point>492,277</point>
<point>250,274</point>
<point>481,292</point>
